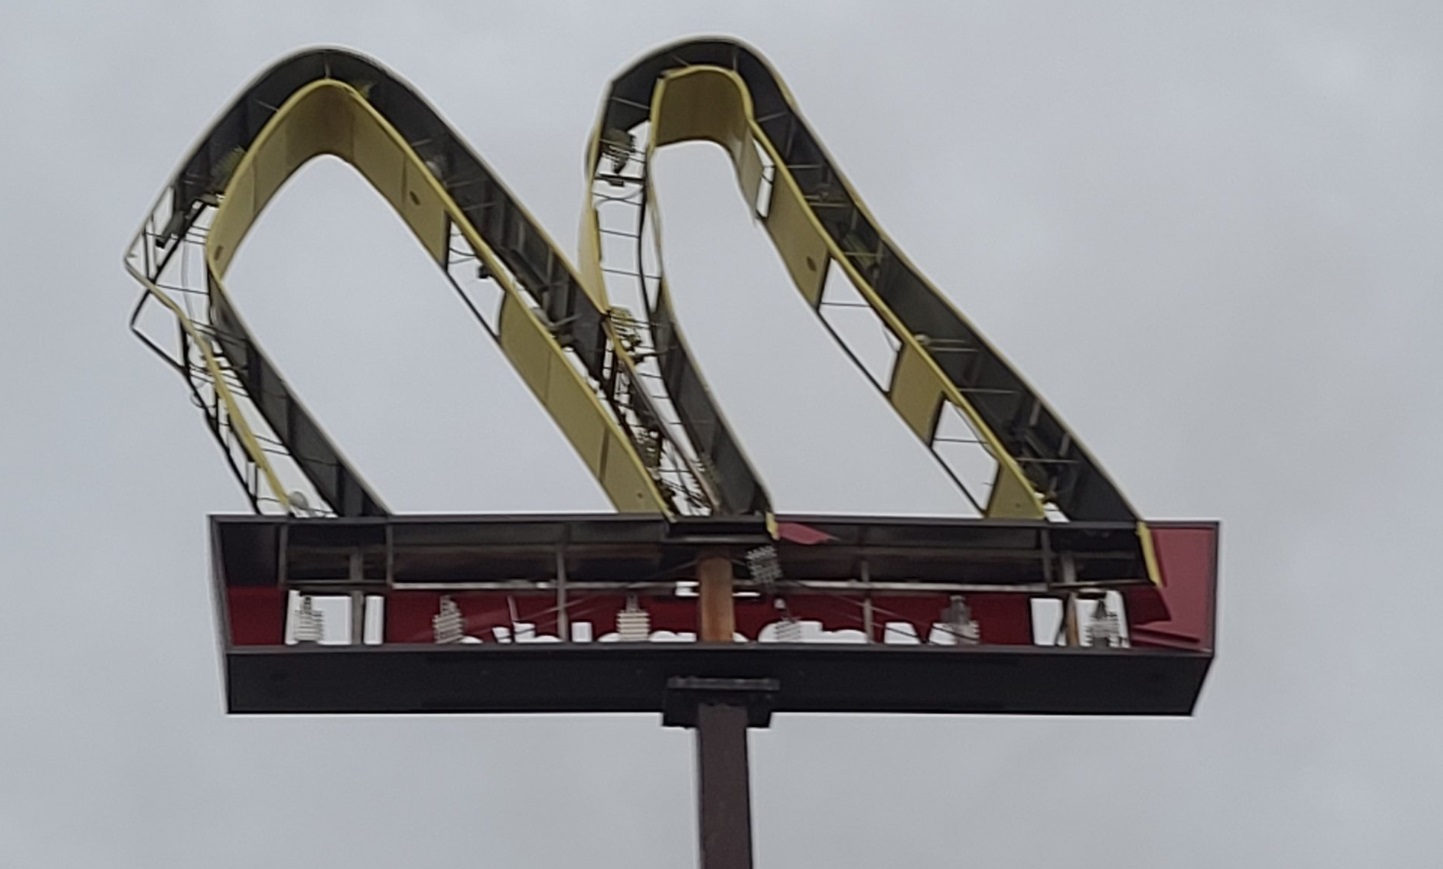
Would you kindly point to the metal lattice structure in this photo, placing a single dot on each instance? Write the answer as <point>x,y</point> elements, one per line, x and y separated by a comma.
<point>694,600</point>
<point>598,343</point>
<point>621,384</point>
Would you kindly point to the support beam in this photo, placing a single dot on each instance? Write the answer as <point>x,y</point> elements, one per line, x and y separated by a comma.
<point>718,615</point>
<point>721,711</point>
<point>724,814</point>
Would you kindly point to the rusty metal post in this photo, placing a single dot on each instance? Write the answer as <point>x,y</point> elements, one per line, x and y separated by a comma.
<point>721,711</point>
<point>718,615</point>
<point>724,810</point>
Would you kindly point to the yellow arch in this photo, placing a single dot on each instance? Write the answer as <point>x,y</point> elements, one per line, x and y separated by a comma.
<point>330,117</point>
<point>706,101</point>
<point>334,102</point>
<point>713,104</point>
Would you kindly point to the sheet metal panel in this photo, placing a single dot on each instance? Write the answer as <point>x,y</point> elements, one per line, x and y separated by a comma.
<point>626,677</point>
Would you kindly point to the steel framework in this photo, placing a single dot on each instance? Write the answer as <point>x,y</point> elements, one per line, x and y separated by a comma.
<point>1055,598</point>
<point>618,380</point>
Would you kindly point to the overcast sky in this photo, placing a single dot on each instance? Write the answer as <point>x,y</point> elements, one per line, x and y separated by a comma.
<point>1208,234</point>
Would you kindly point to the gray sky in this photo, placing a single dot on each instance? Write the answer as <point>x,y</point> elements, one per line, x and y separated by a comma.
<point>1206,233</point>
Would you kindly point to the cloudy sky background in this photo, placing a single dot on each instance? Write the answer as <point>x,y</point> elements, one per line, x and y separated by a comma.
<point>1208,235</point>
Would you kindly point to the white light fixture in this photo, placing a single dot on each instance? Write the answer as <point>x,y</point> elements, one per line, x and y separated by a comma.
<point>448,626</point>
<point>789,629</point>
<point>1105,628</point>
<point>633,624</point>
<point>959,623</point>
<point>310,623</point>
<point>764,566</point>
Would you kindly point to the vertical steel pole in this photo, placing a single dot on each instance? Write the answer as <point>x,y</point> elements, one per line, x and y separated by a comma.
<point>718,614</point>
<point>1069,601</point>
<point>724,811</point>
<point>357,573</point>
<point>563,621</point>
<point>723,791</point>
<point>868,617</point>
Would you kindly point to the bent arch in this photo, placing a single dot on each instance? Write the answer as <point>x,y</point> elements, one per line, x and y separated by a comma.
<point>329,117</point>
<point>720,90</point>
<point>565,348</point>
<point>665,449</point>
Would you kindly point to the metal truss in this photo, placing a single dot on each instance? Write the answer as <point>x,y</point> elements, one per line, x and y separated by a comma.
<point>622,370</point>
<point>166,258</point>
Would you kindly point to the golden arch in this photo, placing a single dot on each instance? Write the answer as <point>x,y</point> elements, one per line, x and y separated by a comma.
<point>330,117</point>
<point>556,325</point>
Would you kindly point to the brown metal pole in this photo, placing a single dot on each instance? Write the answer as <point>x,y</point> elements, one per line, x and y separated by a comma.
<point>723,792</point>
<point>718,616</point>
<point>1069,620</point>
<point>724,813</point>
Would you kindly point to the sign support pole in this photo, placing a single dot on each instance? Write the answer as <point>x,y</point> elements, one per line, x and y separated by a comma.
<point>724,812</point>
<point>721,711</point>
